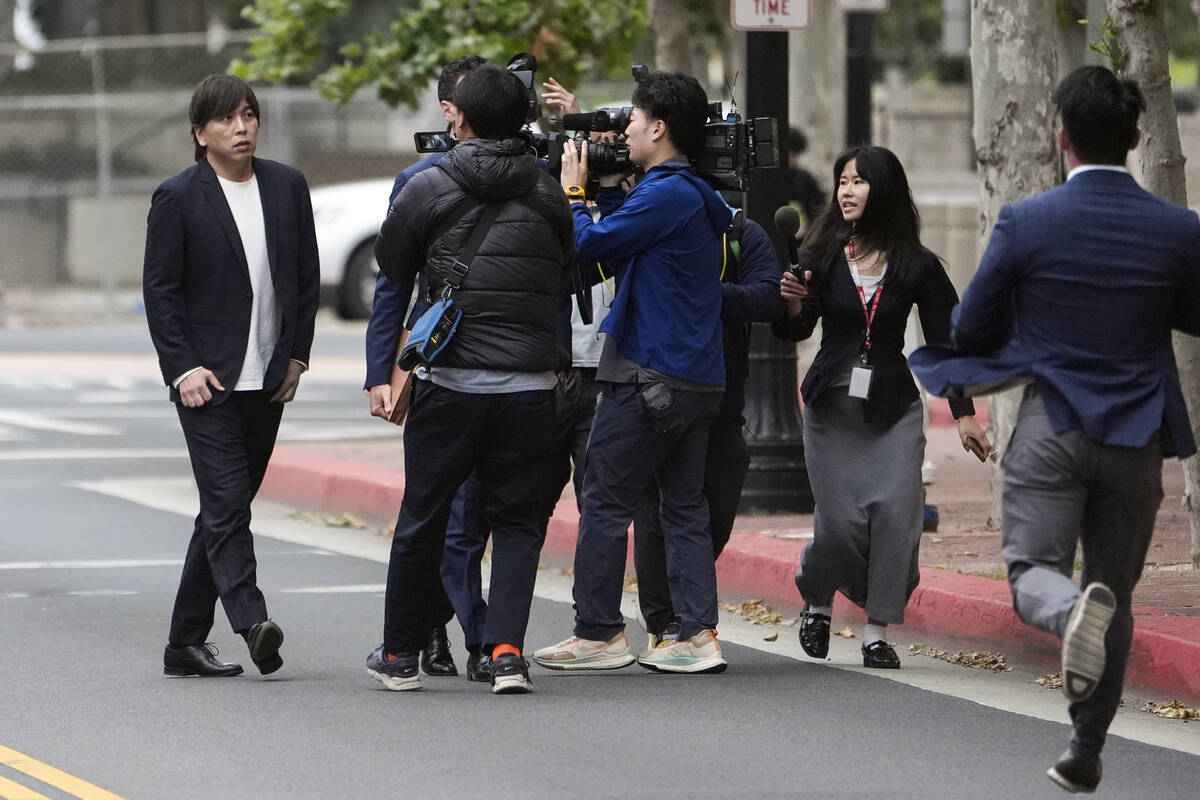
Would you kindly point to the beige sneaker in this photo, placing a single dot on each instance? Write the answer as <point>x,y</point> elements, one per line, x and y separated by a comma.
<point>700,653</point>
<point>576,653</point>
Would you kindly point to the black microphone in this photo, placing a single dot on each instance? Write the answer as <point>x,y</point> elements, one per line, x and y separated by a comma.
<point>787,222</point>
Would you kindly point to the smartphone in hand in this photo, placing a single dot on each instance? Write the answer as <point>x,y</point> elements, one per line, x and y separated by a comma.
<point>976,447</point>
<point>798,271</point>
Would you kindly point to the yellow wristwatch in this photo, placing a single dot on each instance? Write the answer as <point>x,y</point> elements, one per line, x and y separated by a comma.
<point>576,193</point>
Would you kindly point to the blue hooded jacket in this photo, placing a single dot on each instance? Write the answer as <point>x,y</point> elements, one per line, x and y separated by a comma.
<point>664,243</point>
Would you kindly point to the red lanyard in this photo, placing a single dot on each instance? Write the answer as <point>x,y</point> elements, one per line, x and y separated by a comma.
<point>862,296</point>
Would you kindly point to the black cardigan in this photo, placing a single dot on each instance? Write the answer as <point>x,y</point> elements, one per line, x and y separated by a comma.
<point>834,299</point>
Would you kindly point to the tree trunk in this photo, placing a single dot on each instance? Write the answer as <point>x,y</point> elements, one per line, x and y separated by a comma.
<point>1139,24</point>
<point>672,44</point>
<point>1013,69</point>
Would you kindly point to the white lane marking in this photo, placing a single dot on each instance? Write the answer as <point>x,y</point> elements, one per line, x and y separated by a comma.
<point>1013,692</point>
<point>361,588</point>
<point>107,396</point>
<point>14,596</point>
<point>101,592</point>
<point>91,454</point>
<point>8,434</point>
<point>93,563</point>
<point>41,422</point>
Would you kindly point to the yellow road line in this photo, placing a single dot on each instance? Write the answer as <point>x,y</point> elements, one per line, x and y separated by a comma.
<point>11,790</point>
<point>52,776</point>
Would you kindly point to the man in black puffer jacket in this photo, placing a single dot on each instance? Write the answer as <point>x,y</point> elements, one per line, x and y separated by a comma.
<point>487,403</point>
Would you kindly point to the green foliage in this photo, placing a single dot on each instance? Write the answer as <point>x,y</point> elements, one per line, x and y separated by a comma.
<point>1108,44</point>
<point>569,38</point>
<point>292,37</point>
<point>909,35</point>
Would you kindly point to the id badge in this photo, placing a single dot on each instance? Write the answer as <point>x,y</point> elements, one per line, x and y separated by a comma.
<point>860,381</point>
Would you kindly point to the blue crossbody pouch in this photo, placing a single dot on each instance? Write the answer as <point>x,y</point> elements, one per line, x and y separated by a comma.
<point>434,330</point>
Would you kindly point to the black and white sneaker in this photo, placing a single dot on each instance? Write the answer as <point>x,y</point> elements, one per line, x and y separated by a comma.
<point>1083,652</point>
<point>398,673</point>
<point>1075,773</point>
<point>510,675</point>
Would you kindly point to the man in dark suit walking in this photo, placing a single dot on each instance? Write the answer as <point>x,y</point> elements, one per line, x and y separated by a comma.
<point>1078,292</point>
<point>230,285</point>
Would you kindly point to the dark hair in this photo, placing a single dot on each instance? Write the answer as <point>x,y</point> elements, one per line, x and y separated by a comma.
<point>452,71</point>
<point>797,141</point>
<point>493,100</point>
<point>889,221</point>
<point>216,96</point>
<point>1100,113</point>
<point>680,102</point>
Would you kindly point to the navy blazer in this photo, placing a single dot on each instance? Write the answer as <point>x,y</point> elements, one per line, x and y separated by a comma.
<point>1079,289</point>
<point>196,283</point>
<point>392,298</point>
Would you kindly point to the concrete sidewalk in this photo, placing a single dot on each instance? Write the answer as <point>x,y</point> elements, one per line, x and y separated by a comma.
<point>962,601</point>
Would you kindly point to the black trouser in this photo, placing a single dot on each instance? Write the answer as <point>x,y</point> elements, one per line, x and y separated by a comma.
<point>467,532</point>
<point>229,446</point>
<point>505,439</point>
<point>725,468</point>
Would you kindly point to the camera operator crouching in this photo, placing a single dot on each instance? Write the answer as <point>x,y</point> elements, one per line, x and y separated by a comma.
<point>492,232</point>
<point>664,373</point>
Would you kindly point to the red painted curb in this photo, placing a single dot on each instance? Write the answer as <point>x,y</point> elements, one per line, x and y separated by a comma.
<point>1166,649</point>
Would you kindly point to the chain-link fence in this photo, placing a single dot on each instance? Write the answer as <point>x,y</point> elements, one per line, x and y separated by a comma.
<point>89,127</point>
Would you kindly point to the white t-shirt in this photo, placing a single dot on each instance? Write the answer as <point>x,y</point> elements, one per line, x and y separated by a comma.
<point>246,205</point>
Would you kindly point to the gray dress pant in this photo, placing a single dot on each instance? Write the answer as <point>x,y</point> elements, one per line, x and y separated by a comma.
<point>1060,490</point>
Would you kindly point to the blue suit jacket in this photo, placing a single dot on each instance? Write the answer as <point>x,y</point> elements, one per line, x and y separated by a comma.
<point>196,283</point>
<point>391,300</point>
<point>1079,289</point>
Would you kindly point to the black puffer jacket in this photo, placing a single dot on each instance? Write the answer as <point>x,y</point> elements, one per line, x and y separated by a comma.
<point>509,298</point>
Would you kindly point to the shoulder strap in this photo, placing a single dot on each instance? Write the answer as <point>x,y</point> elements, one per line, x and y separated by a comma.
<point>463,263</point>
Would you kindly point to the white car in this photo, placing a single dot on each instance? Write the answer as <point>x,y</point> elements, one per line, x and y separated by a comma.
<point>347,217</point>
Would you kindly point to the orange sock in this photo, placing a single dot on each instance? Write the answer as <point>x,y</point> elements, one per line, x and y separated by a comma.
<point>501,649</point>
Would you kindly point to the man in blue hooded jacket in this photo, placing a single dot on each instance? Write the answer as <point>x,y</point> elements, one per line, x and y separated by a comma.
<point>663,370</point>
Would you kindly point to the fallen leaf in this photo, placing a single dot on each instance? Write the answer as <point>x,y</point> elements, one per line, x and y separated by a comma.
<point>1051,681</point>
<point>979,659</point>
<point>758,612</point>
<point>846,633</point>
<point>1172,710</point>
<point>926,650</point>
<point>771,638</point>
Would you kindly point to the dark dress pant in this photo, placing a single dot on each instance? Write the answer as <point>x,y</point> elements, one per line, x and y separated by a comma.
<point>229,446</point>
<point>725,467</point>
<point>505,439</point>
<point>1060,490</point>
<point>467,532</point>
<point>466,540</point>
<point>627,452</point>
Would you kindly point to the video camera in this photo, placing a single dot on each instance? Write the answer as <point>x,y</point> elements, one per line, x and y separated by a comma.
<point>524,66</point>
<point>732,146</point>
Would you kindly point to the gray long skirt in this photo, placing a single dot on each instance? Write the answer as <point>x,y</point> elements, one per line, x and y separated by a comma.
<point>866,482</point>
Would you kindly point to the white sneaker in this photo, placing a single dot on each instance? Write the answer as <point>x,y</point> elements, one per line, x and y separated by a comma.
<point>576,653</point>
<point>1083,653</point>
<point>699,653</point>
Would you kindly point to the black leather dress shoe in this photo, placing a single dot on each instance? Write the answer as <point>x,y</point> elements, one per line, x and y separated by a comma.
<point>263,641</point>
<point>1076,773</point>
<point>435,657</point>
<point>196,660</point>
<point>880,655</point>
<point>479,667</point>
<point>814,633</point>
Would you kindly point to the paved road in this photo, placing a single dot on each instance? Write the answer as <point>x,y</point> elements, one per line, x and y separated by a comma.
<point>97,504</point>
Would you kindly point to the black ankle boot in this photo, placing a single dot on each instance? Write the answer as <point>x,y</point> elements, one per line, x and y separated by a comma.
<point>435,657</point>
